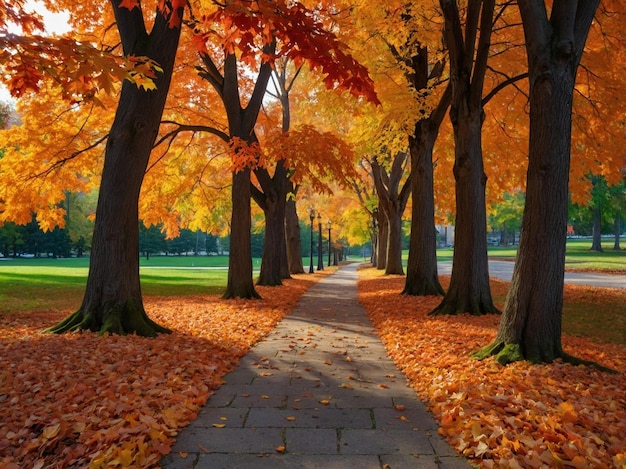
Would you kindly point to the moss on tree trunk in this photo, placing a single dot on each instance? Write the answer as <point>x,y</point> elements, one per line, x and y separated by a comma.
<point>122,319</point>
<point>510,353</point>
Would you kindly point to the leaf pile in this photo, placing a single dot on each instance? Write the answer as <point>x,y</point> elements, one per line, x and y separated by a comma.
<point>521,415</point>
<point>83,400</point>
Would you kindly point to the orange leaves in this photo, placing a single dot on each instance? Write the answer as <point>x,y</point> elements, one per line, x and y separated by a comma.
<point>244,155</point>
<point>520,415</point>
<point>81,400</point>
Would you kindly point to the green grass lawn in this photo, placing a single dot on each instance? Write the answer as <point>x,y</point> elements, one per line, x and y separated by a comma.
<point>58,284</point>
<point>578,255</point>
<point>43,284</point>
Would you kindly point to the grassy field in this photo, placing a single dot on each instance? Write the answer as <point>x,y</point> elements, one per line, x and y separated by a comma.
<point>28,284</point>
<point>577,257</point>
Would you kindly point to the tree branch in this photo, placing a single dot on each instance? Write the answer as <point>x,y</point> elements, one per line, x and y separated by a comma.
<point>502,85</point>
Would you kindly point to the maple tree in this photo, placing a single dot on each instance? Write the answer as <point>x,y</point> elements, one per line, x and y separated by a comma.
<point>280,30</point>
<point>530,327</point>
<point>112,300</point>
<point>469,51</point>
<point>402,43</point>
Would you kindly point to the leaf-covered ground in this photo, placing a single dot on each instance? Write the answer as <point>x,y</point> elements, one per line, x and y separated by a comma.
<point>82,400</point>
<point>553,416</point>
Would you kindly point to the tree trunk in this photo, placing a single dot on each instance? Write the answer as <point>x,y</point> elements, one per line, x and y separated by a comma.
<point>375,238</point>
<point>421,272</point>
<point>469,290</point>
<point>240,284</point>
<point>391,204</point>
<point>469,286</point>
<point>112,302</point>
<point>394,243</point>
<point>241,122</point>
<point>273,201</point>
<point>618,232</point>
<point>382,238</point>
<point>596,243</point>
<point>293,241</point>
<point>530,327</point>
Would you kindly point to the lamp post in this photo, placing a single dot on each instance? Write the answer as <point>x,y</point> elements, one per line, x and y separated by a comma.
<point>328,225</point>
<point>320,262</point>
<point>312,218</point>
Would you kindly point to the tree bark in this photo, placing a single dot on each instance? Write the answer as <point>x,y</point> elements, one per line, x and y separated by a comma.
<point>382,238</point>
<point>112,302</point>
<point>240,284</point>
<point>469,285</point>
<point>392,202</point>
<point>421,273</point>
<point>292,233</point>
<point>530,327</point>
<point>272,200</point>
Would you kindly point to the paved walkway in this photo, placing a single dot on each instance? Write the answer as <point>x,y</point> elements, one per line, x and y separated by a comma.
<point>318,392</point>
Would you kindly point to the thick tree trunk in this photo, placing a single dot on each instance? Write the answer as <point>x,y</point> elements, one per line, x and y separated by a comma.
<point>530,327</point>
<point>469,286</point>
<point>240,284</point>
<point>421,272</point>
<point>273,201</point>
<point>596,242</point>
<point>531,322</point>
<point>112,301</point>
<point>294,243</point>
<point>469,290</point>
<point>241,122</point>
<point>618,232</point>
<point>394,243</point>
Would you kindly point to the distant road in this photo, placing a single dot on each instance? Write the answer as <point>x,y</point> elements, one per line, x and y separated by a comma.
<point>504,270</point>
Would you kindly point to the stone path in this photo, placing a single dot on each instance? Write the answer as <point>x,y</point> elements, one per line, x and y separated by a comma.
<point>318,392</point>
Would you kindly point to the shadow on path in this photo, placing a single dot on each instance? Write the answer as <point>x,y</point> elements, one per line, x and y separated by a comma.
<point>318,392</point>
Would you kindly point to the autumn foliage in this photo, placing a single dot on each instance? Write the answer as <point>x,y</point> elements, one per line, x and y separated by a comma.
<point>83,400</point>
<point>521,415</point>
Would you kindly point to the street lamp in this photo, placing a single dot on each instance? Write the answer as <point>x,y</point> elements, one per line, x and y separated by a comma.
<point>328,225</point>
<point>320,262</point>
<point>312,218</point>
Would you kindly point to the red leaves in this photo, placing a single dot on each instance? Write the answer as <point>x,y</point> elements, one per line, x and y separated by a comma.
<point>520,415</point>
<point>247,27</point>
<point>80,399</point>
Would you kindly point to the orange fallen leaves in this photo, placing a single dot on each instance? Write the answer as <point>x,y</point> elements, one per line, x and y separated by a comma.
<point>81,400</point>
<point>520,415</point>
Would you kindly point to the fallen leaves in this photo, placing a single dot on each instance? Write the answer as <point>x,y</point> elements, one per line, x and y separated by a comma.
<point>520,415</point>
<point>82,400</point>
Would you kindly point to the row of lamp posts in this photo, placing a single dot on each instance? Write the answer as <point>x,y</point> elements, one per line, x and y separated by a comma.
<point>320,262</point>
